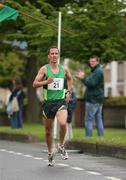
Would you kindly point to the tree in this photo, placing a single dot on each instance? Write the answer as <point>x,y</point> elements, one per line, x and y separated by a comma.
<point>99,28</point>
<point>95,27</point>
<point>10,66</point>
<point>29,29</point>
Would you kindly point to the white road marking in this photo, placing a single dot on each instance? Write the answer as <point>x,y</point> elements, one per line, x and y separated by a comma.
<point>61,164</point>
<point>112,178</point>
<point>3,150</point>
<point>37,158</point>
<point>12,152</point>
<point>19,153</point>
<point>27,155</point>
<point>94,173</point>
<point>77,168</point>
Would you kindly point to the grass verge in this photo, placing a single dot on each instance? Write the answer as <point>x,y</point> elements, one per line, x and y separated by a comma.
<point>28,128</point>
<point>111,137</point>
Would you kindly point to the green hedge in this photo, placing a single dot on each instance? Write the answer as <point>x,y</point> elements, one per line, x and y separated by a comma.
<point>116,101</point>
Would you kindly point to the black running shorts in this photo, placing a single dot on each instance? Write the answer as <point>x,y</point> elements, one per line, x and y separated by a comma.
<point>50,108</point>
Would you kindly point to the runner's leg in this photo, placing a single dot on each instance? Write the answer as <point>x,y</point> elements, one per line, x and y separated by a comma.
<point>48,133</point>
<point>62,118</point>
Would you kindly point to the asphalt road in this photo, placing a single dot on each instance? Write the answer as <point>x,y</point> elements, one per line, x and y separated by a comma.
<point>21,161</point>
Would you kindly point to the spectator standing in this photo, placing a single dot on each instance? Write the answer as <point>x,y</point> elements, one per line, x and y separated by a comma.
<point>94,96</point>
<point>71,106</point>
<point>16,118</point>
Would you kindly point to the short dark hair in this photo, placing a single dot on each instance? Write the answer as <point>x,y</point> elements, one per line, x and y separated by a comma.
<point>52,47</point>
<point>94,57</point>
<point>18,82</point>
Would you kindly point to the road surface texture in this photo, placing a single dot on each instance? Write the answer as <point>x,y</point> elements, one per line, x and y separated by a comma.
<point>28,161</point>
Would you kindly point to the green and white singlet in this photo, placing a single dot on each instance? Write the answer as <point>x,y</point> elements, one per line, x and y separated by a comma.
<point>55,90</point>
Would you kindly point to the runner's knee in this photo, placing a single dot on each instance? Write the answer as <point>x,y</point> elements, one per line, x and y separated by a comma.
<point>48,132</point>
<point>63,125</point>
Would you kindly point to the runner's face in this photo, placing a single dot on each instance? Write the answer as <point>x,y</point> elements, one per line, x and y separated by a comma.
<point>53,55</point>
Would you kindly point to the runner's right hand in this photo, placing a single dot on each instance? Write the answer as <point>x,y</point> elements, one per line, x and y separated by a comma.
<point>50,80</point>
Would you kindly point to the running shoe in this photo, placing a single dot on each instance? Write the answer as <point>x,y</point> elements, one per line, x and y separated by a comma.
<point>62,151</point>
<point>51,161</point>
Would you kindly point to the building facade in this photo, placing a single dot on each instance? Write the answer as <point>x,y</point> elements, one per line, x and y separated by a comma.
<point>115,79</point>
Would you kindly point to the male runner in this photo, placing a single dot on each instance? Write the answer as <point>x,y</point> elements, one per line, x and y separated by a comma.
<point>52,77</point>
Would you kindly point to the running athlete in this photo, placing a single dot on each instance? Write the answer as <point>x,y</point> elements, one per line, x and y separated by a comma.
<point>53,77</point>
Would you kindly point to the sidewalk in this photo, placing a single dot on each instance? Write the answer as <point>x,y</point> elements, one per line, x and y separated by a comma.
<point>98,149</point>
<point>83,147</point>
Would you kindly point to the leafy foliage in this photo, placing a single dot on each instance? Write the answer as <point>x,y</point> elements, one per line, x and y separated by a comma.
<point>93,27</point>
<point>88,27</point>
<point>116,101</point>
<point>99,29</point>
<point>10,66</point>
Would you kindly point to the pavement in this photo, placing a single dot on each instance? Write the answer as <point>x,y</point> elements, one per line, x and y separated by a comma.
<point>82,147</point>
<point>28,161</point>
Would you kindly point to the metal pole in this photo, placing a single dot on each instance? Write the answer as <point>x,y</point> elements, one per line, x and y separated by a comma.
<point>59,47</point>
<point>59,34</point>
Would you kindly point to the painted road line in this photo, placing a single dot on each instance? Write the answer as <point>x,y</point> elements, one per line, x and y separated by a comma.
<point>112,178</point>
<point>11,152</point>
<point>27,155</point>
<point>19,153</point>
<point>94,173</point>
<point>77,168</point>
<point>37,158</point>
<point>3,150</point>
<point>62,164</point>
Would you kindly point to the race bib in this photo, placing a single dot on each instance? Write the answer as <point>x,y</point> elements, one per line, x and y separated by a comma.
<point>57,84</point>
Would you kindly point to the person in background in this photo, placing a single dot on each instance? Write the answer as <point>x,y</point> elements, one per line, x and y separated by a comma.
<point>52,77</point>
<point>94,96</point>
<point>16,118</point>
<point>72,100</point>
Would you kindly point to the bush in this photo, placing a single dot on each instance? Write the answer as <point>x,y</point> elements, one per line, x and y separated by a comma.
<point>116,101</point>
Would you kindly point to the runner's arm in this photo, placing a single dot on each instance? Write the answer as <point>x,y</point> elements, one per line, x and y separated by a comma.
<point>40,78</point>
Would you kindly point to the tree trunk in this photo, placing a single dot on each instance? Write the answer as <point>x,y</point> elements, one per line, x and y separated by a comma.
<point>33,106</point>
